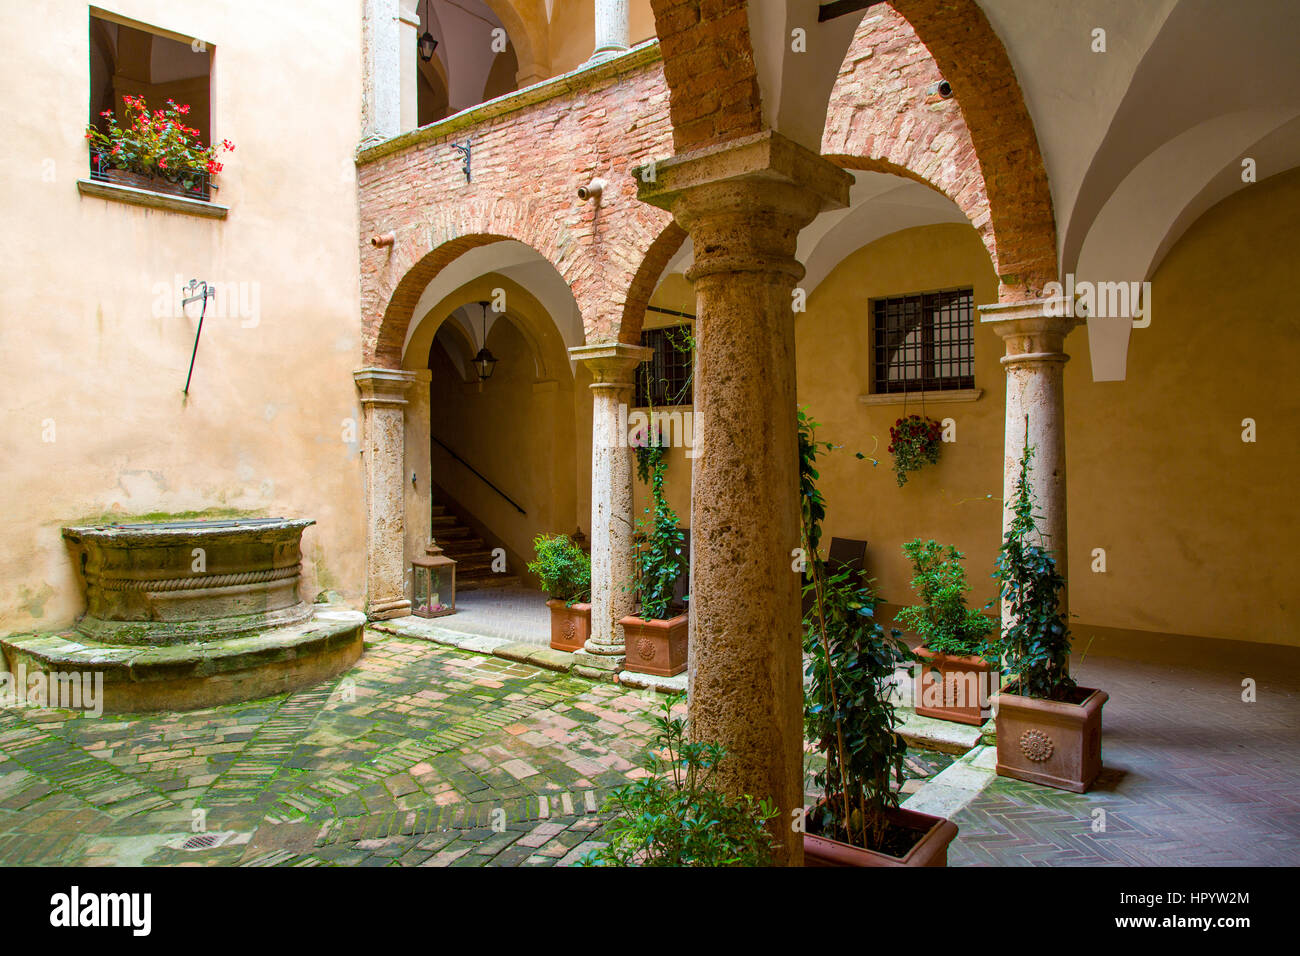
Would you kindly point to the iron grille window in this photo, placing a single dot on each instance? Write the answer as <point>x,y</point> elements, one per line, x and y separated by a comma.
<point>664,378</point>
<point>924,342</point>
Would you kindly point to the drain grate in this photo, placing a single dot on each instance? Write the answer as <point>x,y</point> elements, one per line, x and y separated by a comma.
<point>202,841</point>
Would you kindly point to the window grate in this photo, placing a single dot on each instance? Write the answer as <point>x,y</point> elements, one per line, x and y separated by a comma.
<point>924,342</point>
<point>664,379</point>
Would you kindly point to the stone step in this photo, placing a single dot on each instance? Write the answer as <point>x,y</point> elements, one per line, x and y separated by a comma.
<point>466,546</point>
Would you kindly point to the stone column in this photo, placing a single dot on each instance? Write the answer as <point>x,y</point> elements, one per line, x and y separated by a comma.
<point>743,204</point>
<point>1033,334</point>
<point>383,402</point>
<point>390,71</point>
<point>613,557</point>
<point>612,31</point>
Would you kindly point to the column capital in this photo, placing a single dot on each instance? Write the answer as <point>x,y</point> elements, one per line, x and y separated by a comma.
<point>610,363</point>
<point>744,201</point>
<point>765,158</point>
<point>383,386</point>
<point>1032,330</point>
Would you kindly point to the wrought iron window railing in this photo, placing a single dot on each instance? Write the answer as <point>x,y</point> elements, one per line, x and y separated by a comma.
<point>192,184</point>
<point>924,342</point>
<point>664,379</point>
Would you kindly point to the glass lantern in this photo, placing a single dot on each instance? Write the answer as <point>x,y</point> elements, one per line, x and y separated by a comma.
<point>434,577</point>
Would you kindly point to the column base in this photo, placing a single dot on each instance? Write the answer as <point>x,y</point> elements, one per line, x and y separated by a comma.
<point>602,663</point>
<point>387,610</point>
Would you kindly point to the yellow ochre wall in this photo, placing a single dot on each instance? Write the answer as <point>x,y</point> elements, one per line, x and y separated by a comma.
<point>94,420</point>
<point>1195,523</point>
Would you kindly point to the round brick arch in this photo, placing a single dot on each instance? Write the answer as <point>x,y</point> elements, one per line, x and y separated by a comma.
<point>714,97</point>
<point>602,277</point>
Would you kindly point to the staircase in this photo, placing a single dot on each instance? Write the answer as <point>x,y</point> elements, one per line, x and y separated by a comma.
<point>472,555</point>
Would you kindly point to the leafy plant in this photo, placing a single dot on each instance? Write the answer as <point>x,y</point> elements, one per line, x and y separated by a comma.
<point>563,568</point>
<point>848,707</point>
<point>914,442</point>
<point>1036,646</point>
<point>942,619</point>
<point>661,547</point>
<point>155,143</point>
<point>674,818</point>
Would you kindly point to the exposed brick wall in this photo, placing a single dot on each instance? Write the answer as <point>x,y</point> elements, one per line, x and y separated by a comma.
<point>529,163</point>
<point>709,65</point>
<point>527,168</point>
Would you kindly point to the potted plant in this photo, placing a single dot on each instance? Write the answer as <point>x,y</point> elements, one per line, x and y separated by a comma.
<point>656,636</point>
<point>155,150</point>
<point>954,682</point>
<point>849,714</point>
<point>565,572</point>
<point>914,441</point>
<point>672,817</point>
<point>1049,728</point>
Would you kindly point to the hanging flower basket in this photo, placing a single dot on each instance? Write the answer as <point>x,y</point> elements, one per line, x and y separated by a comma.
<point>914,442</point>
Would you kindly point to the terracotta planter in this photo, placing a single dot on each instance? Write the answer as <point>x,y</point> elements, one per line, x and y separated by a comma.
<point>570,625</point>
<point>1049,742</point>
<point>930,850</point>
<point>655,647</point>
<point>962,684</point>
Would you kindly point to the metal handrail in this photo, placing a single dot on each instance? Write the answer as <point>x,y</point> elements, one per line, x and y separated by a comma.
<point>479,475</point>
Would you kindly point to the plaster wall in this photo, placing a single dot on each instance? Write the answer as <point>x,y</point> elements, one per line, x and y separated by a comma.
<point>1195,523</point>
<point>91,325</point>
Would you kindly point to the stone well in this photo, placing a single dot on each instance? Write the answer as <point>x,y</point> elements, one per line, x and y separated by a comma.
<point>183,615</point>
<point>177,582</point>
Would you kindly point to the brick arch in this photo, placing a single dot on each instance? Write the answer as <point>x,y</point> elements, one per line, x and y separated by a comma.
<point>890,124</point>
<point>714,97</point>
<point>970,55</point>
<point>602,276</point>
<point>646,278</point>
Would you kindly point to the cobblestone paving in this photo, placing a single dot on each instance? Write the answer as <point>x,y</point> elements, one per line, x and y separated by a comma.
<point>420,755</point>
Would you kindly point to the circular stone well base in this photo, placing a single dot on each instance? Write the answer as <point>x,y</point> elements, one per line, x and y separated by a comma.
<point>193,676</point>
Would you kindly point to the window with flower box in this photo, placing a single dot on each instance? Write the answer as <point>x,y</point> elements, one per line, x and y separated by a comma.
<point>150,124</point>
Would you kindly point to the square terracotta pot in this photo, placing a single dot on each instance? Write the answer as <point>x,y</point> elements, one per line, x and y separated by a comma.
<point>655,647</point>
<point>1050,742</point>
<point>963,684</point>
<point>570,625</point>
<point>930,850</point>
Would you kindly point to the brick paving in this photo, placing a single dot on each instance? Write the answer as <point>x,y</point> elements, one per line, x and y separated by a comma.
<point>428,755</point>
<point>420,755</point>
<point>1194,776</point>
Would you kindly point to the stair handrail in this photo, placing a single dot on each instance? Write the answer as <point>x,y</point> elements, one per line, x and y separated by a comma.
<point>478,474</point>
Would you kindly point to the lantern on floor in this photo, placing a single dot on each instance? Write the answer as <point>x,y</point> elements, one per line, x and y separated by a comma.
<point>434,583</point>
